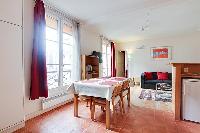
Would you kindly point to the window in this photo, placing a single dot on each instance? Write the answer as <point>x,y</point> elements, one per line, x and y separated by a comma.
<point>106,55</point>
<point>67,54</point>
<point>59,43</point>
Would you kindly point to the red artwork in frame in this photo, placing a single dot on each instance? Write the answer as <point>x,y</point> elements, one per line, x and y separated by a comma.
<point>161,53</point>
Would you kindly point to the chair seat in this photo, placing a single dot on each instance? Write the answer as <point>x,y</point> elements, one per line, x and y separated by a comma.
<point>100,100</point>
<point>116,99</point>
<point>103,100</point>
<point>83,97</point>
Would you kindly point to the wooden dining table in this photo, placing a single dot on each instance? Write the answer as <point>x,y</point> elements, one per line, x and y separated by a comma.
<point>98,87</point>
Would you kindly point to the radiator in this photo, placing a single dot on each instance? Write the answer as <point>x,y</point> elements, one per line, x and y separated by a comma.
<point>56,100</point>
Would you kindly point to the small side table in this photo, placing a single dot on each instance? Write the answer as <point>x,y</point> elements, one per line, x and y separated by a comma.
<point>163,91</point>
<point>163,87</point>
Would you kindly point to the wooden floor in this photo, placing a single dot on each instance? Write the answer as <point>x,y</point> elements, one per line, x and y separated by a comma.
<point>142,117</point>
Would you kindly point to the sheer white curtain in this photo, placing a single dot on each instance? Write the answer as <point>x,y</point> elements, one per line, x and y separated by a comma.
<point>106,56</point>
<point>76,65</point>
<point>69,51</point>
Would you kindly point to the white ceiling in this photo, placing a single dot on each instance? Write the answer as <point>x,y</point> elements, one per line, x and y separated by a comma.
<point>122,20</point>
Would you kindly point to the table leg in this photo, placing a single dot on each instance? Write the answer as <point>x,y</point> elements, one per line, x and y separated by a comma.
<point>107,114</point>
<point>76,105</point>
<point>129,97</point>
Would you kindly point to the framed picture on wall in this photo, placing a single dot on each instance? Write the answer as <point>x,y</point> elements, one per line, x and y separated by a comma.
<point>161,53</point>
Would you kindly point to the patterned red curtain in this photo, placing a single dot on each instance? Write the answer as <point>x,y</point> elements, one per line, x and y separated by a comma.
<point>113,68</point>
<point>39,87</point>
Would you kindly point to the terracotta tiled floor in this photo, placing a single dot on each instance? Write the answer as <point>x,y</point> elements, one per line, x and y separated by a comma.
<point>142,117</point>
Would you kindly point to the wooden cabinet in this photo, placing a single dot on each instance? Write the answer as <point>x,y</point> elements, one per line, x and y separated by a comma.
<point>181,71</point>
<point>89,67</point>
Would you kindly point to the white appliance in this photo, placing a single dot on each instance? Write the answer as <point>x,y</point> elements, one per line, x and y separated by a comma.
<point>191,100</point>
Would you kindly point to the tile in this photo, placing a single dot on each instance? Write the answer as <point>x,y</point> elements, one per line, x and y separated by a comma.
<point>142,117</point>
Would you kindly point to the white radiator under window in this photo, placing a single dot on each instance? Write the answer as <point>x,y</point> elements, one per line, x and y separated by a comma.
<point>56,100</point>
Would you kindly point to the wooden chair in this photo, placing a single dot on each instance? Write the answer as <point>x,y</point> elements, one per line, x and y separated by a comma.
<point>125,92</point>
<point>116,99</point>
<point>87,99</point>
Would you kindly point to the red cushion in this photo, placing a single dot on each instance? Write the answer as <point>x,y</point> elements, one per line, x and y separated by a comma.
<point>162,75</point>
<point>148,75</point>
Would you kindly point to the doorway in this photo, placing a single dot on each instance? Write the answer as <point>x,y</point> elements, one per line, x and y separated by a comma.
<point>121,64</point>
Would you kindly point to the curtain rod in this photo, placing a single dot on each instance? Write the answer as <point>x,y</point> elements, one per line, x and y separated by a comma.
<point>105,38</point>
<point>60,12</point>
<point>55,9</point>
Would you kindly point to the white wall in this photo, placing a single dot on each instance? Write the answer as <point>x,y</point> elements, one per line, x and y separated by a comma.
<point>29,106</point>
<point>11,68</point>
<point>185,48</point>
<point>89,40</point>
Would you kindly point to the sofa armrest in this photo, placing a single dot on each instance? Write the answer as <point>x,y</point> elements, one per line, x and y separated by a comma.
<point>170,76</point>
<point>142,79</point>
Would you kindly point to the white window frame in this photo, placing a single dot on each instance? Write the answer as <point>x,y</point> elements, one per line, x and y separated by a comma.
<point>65,22</point>
<point>107,44</point>
<point>61,20</point>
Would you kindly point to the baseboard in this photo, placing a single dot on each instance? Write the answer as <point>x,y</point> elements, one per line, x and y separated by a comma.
<point>33,115</point>
<point>13,128</point>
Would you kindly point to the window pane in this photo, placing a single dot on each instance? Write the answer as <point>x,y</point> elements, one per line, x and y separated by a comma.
<point>109,72</point>
<point>51,34</point>
<point>104,49</point>
<point>51,28</point>
<point>67,54</point>
<point>104,66</point>
<point>108,50</point>
<point>58,55</point>
<point>67,29</point>
<point>52,79</point>
<point>52,52</point>
<point>52,68</point>
<point>52,76</point>
<point>67,39</point>
<point>109,60</point>
<point>67,67</point>
<point>106,56</point>
<point>104,72</point>
<point>104,60</point>
<point>66,78</point>
<point>51,22</point>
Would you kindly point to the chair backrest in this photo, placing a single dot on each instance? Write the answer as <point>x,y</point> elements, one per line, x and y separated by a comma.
<point>126,84</point>
<point>117,90</point>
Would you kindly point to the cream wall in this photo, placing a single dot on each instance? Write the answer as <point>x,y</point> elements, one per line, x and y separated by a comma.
<point>185,48</point>
<point>29,106</point>
<point>89,40</point>
<point>11,68</point>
